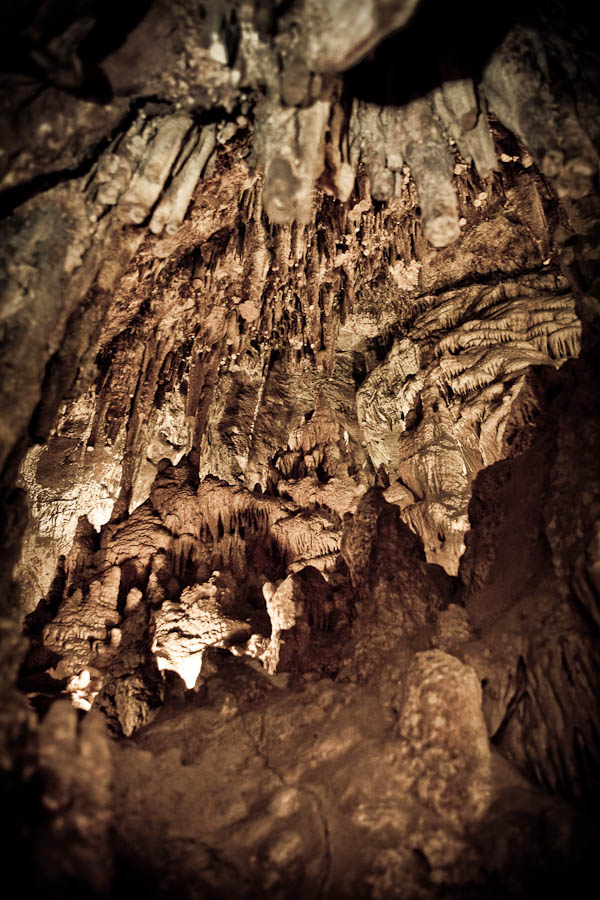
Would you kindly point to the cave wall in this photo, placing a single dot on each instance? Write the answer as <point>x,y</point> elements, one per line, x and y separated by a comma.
<point>291,316</point>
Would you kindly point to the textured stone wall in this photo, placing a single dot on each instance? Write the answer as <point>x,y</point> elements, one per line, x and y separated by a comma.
<point>299,441</point>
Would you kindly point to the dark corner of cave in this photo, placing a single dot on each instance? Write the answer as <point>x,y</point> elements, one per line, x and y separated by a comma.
<point>299,449</point>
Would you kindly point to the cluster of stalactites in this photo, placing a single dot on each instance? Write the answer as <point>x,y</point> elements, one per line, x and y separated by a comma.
<point>302,141</point>
<point>305,136</point>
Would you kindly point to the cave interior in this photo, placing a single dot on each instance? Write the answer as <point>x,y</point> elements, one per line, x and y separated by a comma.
<point>300,448</point>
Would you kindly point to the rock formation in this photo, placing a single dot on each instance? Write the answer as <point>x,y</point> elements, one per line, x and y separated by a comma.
<point>299,447</point>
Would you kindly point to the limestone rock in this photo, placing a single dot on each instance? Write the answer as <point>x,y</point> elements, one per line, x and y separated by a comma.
<point>301,603</point>
<point>444,725</point>
<point>76,769</point>
<point>305,294</point>
<point>203,617</point>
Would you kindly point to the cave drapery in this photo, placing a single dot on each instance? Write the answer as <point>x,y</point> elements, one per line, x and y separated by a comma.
<point>299,443</point>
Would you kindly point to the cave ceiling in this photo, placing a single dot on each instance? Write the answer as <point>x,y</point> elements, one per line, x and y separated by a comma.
<point>299,445</point>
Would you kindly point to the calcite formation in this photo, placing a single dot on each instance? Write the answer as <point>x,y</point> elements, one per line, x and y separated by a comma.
<point>299,447</point>
<point>202,617</point>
